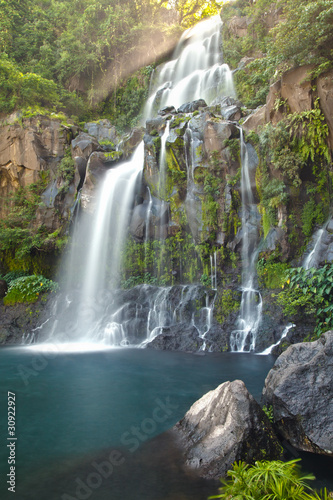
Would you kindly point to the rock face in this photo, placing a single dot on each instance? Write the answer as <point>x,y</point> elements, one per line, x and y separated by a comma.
<point>225,425</point>
<point>325,92</point>
<point>27,148</point>
<point>300,389</point>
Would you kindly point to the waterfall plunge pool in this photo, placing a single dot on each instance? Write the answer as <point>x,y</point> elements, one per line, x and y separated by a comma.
<point>74,408</point>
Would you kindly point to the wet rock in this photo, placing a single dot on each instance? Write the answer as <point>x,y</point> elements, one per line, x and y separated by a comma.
<point>224,426</point>
<point>103,130</point>
<point>190,107</point>
<point>231,113</point>
<point>155,126</point>
<point>167,111</point>
<point>181,337</point>
<point>215,133</point>
<point>138,222</point>
<point>300,389</point>
<point>131,141</point>
<point>84,144</point>
<point>255,120</point>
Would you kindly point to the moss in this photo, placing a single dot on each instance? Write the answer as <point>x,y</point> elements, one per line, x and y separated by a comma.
<point>226,303</point>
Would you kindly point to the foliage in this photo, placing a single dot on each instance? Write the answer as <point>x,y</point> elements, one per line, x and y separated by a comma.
<point>206,280</point>
<point>275,480</point>
<point>28,289</point>
<point>271,274</point>
<point>66,171</point>
<point>269,413</point>
<point>226,304</point>
<point>146,278</point>
<point>309,292</point>
<point>13,275</point>
<point>302,35</point>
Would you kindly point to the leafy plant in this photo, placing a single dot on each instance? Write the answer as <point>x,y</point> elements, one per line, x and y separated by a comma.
<point>269,412</point>
<point>309,292</point>
<point>267,480</point>
<point>28,289</point>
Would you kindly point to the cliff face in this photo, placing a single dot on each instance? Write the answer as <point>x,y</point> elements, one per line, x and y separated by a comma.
<point>37,190</point>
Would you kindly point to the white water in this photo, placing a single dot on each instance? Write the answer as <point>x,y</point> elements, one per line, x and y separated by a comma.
<point>147,225</point>
<point>312,259</point>
<point>283,335</point>
<point>244,337</point>
<point>196,71</point>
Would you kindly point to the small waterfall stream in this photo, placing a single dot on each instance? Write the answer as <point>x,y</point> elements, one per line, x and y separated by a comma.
<point>195,72</point>
<point>244,337</point>
<point>312,259</point>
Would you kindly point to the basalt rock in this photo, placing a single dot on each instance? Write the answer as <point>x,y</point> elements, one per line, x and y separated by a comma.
<point>190,107</point>
<point>224,426</point>
<point>300,389</point>
<point>84,144</point>
<point>180,337</point>
<point>102,130</point>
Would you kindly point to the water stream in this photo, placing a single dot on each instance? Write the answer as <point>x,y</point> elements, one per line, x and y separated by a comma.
<point>244,337</point>
<point>195,72</point>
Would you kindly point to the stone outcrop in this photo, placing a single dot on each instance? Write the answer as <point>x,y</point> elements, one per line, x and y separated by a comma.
<point>300,389</point>
<point>225,425</point>
<point>28,147</point>
<point>102,130</point>
<point>255,120</point>
<point>238,26</point>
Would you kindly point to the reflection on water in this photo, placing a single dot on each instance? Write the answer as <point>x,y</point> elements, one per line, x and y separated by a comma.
<point>76,411</point>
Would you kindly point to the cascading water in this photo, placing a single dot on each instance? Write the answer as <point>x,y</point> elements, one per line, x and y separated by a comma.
<point>244,337</point>
<point>283,335</point>
<point>196,71</point>
<point>94,313</point>
<point>312,259</point>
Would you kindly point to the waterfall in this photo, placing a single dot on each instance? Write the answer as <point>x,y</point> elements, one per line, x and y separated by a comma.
<point>283,335</point>
<point>98,311</point>
<point>196,71</point>
<point>312,259</point>
<point>213,271</point>
<point>244,337</point>
<point>147,225</point>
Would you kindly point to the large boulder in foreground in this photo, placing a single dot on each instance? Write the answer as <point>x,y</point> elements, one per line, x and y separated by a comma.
<point>300,389</point>
<point>225,425</point>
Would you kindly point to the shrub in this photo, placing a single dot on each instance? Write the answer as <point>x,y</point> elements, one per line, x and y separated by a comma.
<point>28,289</point>
<point>265,480</point>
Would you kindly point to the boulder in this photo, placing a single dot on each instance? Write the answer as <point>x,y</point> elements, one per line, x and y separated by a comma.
<point>300,389</point>
<point>231,113</point>
<point>190,107</point>
<point>225,425</point>
<point>103,130</point>
<point>84,144</point>
<point>255,120</point>
<point>167,110</point>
